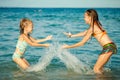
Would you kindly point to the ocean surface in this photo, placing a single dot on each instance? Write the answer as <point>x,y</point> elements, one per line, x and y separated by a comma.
<point>54,63</point>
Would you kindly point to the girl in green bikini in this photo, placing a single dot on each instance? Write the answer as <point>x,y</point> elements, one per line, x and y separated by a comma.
<point>26,27</point>
<point>95,30</point>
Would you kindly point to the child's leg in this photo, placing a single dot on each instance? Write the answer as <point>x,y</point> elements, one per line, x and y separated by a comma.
<point>102,60</point>
<point>21,63</point>
<point>26,61</point>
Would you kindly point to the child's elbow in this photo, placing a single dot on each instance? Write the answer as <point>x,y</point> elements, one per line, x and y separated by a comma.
<point>79,44</point>
<point>82,44</point>
<point>31,44</point>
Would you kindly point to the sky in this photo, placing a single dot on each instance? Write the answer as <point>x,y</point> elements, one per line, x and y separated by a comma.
<point>61,3</point>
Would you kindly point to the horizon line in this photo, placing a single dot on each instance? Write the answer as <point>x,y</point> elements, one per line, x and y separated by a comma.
<point>56,7</point>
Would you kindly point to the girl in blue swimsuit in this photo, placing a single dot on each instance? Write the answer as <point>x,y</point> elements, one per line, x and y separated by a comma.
<point>26,27</point>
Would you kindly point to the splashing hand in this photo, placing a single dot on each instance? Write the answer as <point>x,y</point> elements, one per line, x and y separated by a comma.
<point>65,46</point>
<point>47,45</point>
<point>68,34</point>
<point>49,37</point>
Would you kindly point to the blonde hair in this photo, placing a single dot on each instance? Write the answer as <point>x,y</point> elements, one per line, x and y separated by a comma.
<point>24,23</point>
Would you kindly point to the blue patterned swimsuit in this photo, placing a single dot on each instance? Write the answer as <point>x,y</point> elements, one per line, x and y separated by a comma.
<point>21,46</point>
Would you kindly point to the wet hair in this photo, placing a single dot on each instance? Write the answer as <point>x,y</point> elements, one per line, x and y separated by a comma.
<point>94,18</point>
<point>24,23</point>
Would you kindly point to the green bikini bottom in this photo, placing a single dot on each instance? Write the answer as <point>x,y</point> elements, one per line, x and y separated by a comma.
<point>110,47</point>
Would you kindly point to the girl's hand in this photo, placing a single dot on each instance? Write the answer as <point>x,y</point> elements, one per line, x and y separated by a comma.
<point>49,37</point>
<point>65,46</point>
<point>68,34</point>
<point>47,45</point>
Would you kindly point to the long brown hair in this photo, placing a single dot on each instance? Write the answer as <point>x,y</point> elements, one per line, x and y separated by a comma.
<point>94,18</point>
<point>24,23</point>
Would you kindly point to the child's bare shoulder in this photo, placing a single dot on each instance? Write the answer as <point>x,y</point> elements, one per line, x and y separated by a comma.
<point>21,37</point>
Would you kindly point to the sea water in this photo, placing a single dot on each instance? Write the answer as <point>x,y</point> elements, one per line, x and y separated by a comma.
<point>55,63</point>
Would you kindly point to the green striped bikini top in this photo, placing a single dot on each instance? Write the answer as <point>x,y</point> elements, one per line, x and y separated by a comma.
<point>21,45</point>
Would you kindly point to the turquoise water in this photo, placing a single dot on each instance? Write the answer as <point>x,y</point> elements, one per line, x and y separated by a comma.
<point>71,64</point>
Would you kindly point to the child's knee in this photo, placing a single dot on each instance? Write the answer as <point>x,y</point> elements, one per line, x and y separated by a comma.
<point>24,66</point>
<point>97,70</point>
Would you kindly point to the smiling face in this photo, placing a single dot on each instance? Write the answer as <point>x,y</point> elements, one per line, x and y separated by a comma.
<point>26,26</point>
<point>29,28</point>
<point>87,18</point>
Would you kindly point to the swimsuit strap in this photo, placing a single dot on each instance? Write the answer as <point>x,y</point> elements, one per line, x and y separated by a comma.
<point>103,33</point>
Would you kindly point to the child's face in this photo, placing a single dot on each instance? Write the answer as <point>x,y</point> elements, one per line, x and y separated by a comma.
<point>29,28</point>
<point>87,18</point>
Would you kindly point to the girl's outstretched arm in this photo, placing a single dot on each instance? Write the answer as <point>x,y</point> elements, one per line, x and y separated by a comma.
<point>81,43</point>
<point>76,35</point>
<point>41,40</point>
<point>29,41</point>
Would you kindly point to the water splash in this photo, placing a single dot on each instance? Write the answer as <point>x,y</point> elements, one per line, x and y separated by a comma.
<point>71,62</point>
<point>43,61</point>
